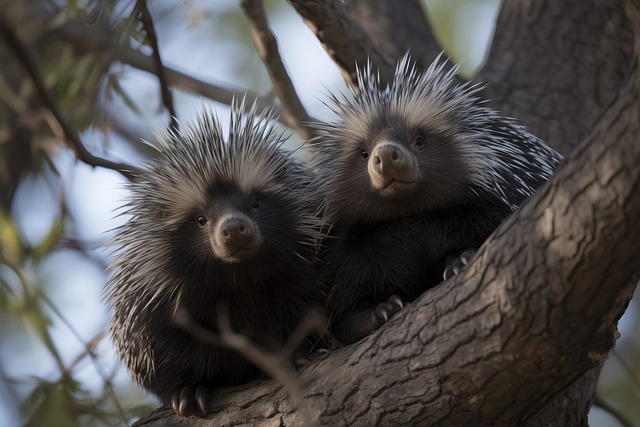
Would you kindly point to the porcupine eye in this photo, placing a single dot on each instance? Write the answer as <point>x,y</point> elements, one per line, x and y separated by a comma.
<point>202,221</point>
<point>419,141</point>
<point>255,203</point>
<point>364,154</point>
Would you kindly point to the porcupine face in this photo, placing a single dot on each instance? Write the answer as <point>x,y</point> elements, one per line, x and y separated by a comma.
<point>409,166</point>
<point>229,225</point>
<point>396,150</point>
<point>236,226</point>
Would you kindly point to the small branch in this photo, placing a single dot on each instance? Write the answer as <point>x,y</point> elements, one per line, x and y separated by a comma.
<point>294,113</point>
<point>102,42</point>
<point>277,365</point>
<point>22,53</point>
<point>313,321</point>
<point>342,38</point>
<point>149,28</point>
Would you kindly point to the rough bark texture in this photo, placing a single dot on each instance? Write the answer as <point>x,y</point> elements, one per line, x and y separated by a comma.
<point>534,312</point>
<point>343,39</point>
<point>396,27</point>
<point>554,65</point>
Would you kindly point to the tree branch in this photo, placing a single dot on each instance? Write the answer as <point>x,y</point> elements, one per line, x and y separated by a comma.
<point>96,41</point>
<point>295,116</point>
<point>29,63</point>
<point>396,27</point>
<point>342,37</point>
<point>165,92</point>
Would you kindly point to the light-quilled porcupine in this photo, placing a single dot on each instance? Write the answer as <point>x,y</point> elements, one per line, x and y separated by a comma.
<point>213,220</point>
<point>414,173</point>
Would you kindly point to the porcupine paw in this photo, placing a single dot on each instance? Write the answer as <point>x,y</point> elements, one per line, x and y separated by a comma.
<point>455,263</point>
<point>362,323</point>
<point>188,401</point>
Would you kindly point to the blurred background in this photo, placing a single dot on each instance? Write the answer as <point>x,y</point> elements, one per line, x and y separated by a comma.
<point>57,366</point>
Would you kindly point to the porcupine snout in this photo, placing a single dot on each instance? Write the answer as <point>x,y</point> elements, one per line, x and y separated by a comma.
<point>391,166</point>
<point>388,159</point>
<point>236,237</point>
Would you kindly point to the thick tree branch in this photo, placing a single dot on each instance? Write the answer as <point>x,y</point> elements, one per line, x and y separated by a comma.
<point>343,39</point>
<point>294,115</point>
<point>30,65</point>
<point>165,92</point>
<point>553,66</point>
<point>396,27</point>
<point>542,49</point>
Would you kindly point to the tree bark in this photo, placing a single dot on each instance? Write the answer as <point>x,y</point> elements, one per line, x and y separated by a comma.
<point>396,27</point>
<point>343,39</point>
<point>555,64</point>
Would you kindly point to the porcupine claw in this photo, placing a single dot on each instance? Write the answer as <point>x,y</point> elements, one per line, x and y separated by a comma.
<point>363,322</point>
<point>203,394</point>
<point>455,263</point>
<point>187,402</point>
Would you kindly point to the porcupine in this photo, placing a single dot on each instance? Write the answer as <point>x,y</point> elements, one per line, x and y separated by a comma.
<point>416,175</point>
<point>213,220</point>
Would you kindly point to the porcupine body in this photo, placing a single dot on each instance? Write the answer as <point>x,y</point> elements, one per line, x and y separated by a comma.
<point>414,173</point>
<point>214,219</point>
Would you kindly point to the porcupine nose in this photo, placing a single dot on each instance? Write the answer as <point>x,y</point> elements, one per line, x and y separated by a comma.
<point>388,159</point>
<point>236,231</point>
<point>236,237</point>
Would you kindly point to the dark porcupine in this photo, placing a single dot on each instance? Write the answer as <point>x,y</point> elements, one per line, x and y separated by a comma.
<point>213,220</point>
<point>414,173</point>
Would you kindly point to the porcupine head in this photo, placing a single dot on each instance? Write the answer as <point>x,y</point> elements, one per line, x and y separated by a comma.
<point>394,148</point>
<point>422,143</point>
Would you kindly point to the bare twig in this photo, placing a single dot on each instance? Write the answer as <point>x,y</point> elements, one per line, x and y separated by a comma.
<point>342,38</point>
<point>294,113</point>
<point>149,28</point>
<point>277,365</point>
<point>22,53</point>
<point>314,320</point>
<point>89,350</point>
<point>94,40</point>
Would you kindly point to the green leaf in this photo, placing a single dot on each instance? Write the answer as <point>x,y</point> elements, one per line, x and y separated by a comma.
<point>11,249</point>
